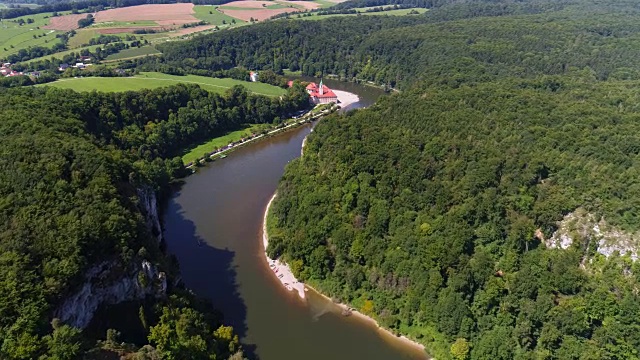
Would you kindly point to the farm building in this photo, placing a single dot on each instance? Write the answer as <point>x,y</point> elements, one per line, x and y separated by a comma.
<point>253,75</point>
<point>321,94</point>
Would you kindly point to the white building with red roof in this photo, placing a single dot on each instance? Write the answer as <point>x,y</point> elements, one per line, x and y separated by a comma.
<point>321,94</point>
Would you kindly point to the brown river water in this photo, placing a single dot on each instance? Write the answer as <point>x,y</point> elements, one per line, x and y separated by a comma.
<point>213,226</point>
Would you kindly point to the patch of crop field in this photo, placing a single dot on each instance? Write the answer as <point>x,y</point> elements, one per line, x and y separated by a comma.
<point>159,14</point>
<point>14,36</point>
<point>133,53</point>
<point>220,141</point>
<point>211,15</point>
<point>109,24</point>
<point>152,80</point>
<point>82,37</point>
<point>396,12</point>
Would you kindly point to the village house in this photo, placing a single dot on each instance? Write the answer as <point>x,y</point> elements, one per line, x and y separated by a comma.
<point>321,94</point>
<point>14,73</point>
<point>253,75</point>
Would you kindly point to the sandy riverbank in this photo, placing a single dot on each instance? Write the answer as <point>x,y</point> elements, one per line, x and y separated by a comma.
<point>286,277</point>
<point>280,269</point>
<point>346,98</point>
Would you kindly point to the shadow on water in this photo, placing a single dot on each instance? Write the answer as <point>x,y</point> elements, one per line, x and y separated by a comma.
<point>219,284</point>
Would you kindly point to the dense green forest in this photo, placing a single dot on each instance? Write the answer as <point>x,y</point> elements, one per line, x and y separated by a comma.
<point>435,229</point>
<point>497,39</point>
<point>428,210</point>
<point>70,167</point>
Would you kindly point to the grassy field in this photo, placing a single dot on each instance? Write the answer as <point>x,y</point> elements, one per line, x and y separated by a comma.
<point>398,12</point>
<point>207,147</point>
<point>133,52</point>
<point>216,17</point>
<point>61,54</point>
<point>14,37</point>
<point>154,80</point>
<point>82,37</point>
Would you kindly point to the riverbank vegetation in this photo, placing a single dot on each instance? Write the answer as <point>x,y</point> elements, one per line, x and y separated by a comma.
<point>71,166</point>
<point>429,210</point>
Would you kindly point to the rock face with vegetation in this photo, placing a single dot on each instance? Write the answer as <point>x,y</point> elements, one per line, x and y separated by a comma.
<point>583,230</point>
<point>105,284</point>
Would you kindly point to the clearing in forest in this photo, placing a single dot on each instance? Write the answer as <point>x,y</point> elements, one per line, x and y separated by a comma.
<point>363,11</point>
<point>261,10</point>
<point>152,80</point>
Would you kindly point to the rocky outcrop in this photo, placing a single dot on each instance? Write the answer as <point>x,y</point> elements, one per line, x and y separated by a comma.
<point>583,229</point>
<point>149,207</point>
<point>112,282</point>
<point>102,287</point>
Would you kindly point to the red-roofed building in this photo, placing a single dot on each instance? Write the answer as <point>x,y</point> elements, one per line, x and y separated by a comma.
<point>321,94</point>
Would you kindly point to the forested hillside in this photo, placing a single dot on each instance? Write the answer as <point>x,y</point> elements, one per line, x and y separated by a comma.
<point>423,210</point>
<point>399,51</point>
<point>71,165</point>
<point>429,210</point>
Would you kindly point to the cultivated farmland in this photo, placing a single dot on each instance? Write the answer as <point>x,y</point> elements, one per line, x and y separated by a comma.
<point>261,10</point>
<point>363,11</point>
<point>158,14</point>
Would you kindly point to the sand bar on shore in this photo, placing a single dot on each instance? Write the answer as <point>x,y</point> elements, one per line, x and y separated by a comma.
<point>346,98</point>
<point>280,269</point>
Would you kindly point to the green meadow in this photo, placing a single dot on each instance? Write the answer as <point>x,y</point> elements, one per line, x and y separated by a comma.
<point>152,80</point>
<point>218,142</point>
<point>133,52</point>
<point>209,14</point>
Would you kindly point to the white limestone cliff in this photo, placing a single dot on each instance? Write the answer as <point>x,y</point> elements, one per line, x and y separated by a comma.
<point>112,282</point>
<point>582,228</point>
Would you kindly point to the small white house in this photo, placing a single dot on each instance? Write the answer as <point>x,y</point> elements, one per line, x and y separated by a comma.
<point>253,75</point>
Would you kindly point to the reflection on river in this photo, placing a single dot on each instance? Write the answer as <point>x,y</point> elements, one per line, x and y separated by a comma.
<point>213,224</point>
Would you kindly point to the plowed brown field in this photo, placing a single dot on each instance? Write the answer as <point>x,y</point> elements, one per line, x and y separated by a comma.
<point>162,14</point>
<point>152,12</point>
<point>65,22</point>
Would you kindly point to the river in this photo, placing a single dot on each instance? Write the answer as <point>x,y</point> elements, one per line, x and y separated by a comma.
<point>213,226</point>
